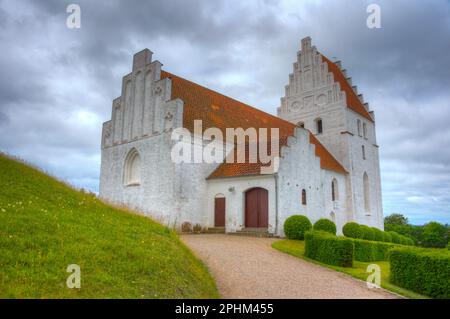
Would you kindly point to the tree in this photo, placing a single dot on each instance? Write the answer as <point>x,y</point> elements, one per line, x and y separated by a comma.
<point>434,235</point>
<point>396,219</point>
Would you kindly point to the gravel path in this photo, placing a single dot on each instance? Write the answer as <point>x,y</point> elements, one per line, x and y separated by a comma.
<point>247,267</point>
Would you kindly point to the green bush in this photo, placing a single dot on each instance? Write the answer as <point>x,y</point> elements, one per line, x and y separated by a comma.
<point>326,225</point>
<point>434,235</point>
<point>295,227</point>
<point>368,233</point>
<point>378,234</point>
<point>448,246</point>
<point>387,237</point>
<point>352,230</point>
<point>329,249</point>
<point>395,237</point>
<point>366,250</point>
<point>425,271</point>
<point>411,242</point>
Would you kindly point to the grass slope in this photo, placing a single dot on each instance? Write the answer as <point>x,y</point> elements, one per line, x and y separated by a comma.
<point>297,248</point>
<point>46,225</point>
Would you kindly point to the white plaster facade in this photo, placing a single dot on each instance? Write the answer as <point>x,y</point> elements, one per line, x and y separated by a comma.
<point>144,117</point>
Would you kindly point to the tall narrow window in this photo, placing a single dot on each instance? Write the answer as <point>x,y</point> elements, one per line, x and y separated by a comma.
<point>363,149</point>
<point>319,126</point>
<point>303,197</point>
<point>334,190</point>
<point>365,130</point>
<point>366,193</point>
<point>358,124</point>
<point>132,168</point>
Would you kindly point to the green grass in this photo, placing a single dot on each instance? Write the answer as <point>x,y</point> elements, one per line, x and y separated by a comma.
<point>297,248</point>
<point>46,225</point>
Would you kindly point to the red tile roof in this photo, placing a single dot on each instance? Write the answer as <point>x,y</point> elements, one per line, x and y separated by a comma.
<point>353,102</point>
<point>218,110</point>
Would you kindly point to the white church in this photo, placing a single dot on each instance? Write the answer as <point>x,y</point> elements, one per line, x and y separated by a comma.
<point>328,165</point>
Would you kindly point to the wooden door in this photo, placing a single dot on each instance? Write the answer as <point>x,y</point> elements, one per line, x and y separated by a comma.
<point>219,212</point>
<point>256,208</point>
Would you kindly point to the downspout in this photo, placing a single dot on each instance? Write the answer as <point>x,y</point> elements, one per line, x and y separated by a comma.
<point>276,203</point>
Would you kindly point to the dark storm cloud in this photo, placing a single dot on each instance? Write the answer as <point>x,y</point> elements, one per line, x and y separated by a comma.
<point>57,84</point>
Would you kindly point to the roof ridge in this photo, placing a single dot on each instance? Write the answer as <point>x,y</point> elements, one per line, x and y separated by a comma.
<point>231,98</point>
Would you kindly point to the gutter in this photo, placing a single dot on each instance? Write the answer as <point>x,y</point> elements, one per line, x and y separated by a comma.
<point>276,203</point>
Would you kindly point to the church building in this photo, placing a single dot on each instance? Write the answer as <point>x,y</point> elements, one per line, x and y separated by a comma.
<point>328,165</point>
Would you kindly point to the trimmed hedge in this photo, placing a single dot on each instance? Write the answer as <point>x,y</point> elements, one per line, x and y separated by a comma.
<point>368,233</point>
<point>425,271</point>
<point>366,250</point>
<point>387,237</point>
<point>395,237</point>
<point>295,226</point>
<point>378,234</point>
<point>329,249</point>
<point>352,230</point>
<point>326,225</point>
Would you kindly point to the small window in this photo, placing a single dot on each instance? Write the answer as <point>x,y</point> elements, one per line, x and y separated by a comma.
<point>366,193</point>
<point>319,126</point>
<point>334,190</point>
<point>358,124</point>
<point>365,130</point>
<point>301,124</point>
<point>303,197</point>
<point>363,152</point>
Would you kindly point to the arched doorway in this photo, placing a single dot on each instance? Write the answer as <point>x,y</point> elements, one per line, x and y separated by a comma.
<point>257,208</point>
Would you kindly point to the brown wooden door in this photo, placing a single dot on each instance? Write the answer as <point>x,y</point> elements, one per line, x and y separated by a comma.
<point>219,212</point>
<point>256,208</point>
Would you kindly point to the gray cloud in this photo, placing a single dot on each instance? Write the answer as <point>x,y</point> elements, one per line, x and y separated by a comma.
<point>57,84</point>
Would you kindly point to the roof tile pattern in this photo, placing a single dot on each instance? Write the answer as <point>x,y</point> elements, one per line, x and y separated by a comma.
<point>217,110</point>
<point>353,102</point>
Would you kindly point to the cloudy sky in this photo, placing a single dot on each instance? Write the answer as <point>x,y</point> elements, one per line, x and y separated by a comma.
<point>57,84</point>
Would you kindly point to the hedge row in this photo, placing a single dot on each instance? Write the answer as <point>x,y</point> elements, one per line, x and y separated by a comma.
<point>329,249</point>
<point>426,271</point>
<point>357,231</point>
<point>371,250</point>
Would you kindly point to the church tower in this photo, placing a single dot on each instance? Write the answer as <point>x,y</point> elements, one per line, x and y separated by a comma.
<point>321,98</point>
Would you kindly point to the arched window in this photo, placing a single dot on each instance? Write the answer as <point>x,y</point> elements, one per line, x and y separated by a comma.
<point>132,168</point>
<point>319,126</point>
<point>358,124</point>
<point>365,130</point>
<point>366,193</point>
<point>303,197</point>
<point>334,190</point>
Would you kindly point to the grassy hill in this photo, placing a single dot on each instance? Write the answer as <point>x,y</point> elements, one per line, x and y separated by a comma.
<point>46,225</point>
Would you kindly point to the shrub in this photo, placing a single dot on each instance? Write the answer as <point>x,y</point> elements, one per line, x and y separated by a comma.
<point>368,233</point>
<point>197,228</point>
<point>387,237</point>
<point>326,225</point>
<point>352,230</point>
<point>295,227</point>
<point>425,271</point>
<point>378,234</point>
<point>448,246</point>
<point>434,235</point>
<point>371,250</point>
<point>410,242</point>
<point>186,227</point>
<point>329,249</point>
<point>395,237</point>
